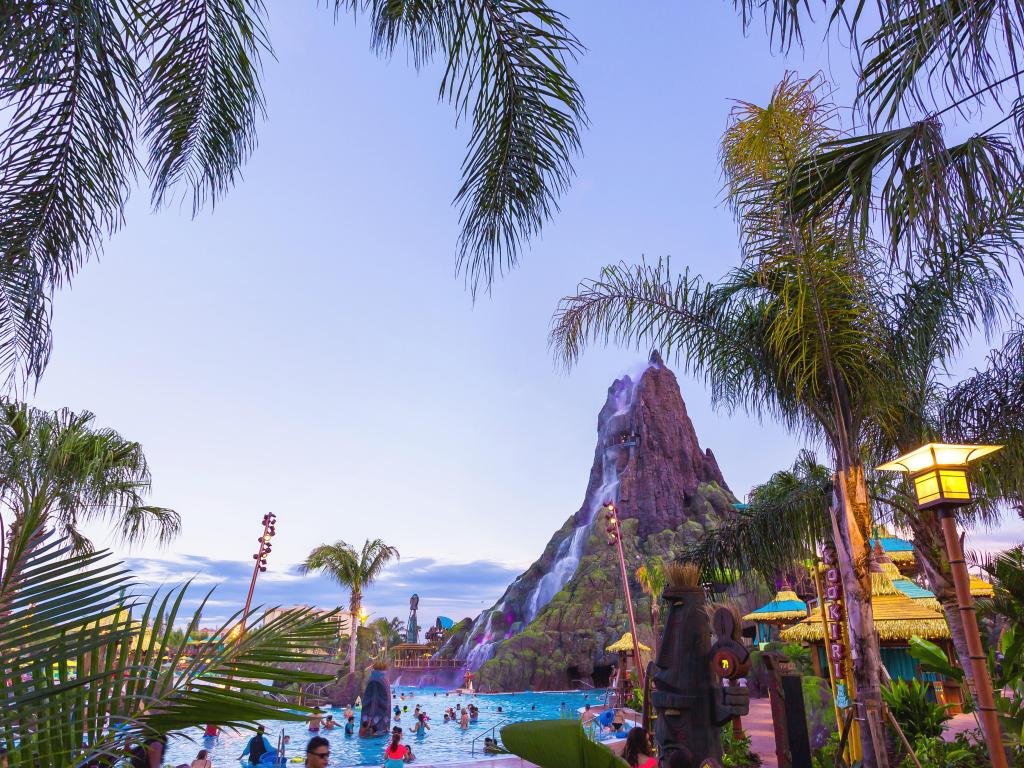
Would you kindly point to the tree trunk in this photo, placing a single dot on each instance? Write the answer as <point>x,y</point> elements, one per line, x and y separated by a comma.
<point>930,551</point>
<point>851,528</point>
<point>354,605</point>
<point>654,623</point>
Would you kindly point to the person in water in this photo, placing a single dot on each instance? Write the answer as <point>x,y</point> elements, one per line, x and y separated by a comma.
<point>464,722</point>
<point>348,712</point>
<point>329,723</point>
<point>314,721</point>
<point>318,752</point>
<point>638,752</point>
<point>397,754</point>
<point>420,726</point>
<point>257,747</point>
<point>350,725</point>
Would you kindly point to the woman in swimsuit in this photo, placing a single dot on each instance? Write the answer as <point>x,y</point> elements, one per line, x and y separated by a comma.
<point>397,754</point>
<point>638,750</point>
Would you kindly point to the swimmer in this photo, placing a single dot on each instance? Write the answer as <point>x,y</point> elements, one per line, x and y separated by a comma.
<point>464,722</point>
<point>446,718</point>
<point>350,725</point>
<point>348,713</point>
<point>500,709</point>
<point>314,720</point>
<point>421,726</point>
<point>329,723</point>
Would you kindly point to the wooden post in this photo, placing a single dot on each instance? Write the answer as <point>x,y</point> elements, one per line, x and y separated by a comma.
<point>982,681</point>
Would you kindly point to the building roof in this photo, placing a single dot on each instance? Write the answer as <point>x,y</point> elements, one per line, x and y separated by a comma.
<point>784,607</point>
<point>981,588</point>
<point>897,617</point>
<point>900,550</point>
<point>625,644</point>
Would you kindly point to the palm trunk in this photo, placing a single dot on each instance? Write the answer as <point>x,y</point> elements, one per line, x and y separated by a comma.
<point>929,548</point>
<point>654,623</point>
<point>851,527</point>
<point>354,605</point>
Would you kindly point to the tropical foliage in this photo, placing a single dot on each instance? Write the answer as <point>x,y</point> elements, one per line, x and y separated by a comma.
<point>815,328</point>
<point>100,92</point>
<point>59,468</point>
<point>919,65</point>
<point>917,716</point>
<point>352,570</point>
<point>90,667</point>
<point>652,580</point>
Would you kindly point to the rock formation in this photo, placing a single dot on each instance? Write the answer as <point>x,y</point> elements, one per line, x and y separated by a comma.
<point>552,624</point>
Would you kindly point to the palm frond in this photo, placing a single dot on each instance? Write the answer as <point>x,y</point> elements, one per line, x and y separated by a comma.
<point>87,669</point>
<point>925,48</point>
<point>796,501</point>
<point>507,70</point>
<point>63,464</point>
<point>201,94</point>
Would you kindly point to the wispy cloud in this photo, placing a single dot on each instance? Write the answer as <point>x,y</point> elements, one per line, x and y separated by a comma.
<point>449,589</point>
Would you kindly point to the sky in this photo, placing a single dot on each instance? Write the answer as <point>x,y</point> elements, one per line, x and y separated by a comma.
<point>306,348</point>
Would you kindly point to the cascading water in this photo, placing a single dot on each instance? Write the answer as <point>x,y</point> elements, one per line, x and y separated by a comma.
<point>478,649</point>
<point>567,558</point>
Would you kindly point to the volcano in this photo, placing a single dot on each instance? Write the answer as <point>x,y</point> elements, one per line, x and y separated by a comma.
<point>551,626</point>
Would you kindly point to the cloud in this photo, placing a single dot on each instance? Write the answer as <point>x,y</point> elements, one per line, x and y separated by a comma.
<point>449,589</point>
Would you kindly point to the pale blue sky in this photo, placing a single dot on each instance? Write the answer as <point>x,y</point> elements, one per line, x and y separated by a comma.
<point>305,348</point>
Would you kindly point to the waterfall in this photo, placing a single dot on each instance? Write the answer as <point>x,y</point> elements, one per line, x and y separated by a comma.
<point>476,650</point>
<point>567,558</point>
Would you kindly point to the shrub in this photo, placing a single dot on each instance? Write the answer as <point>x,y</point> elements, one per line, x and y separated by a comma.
<point>918,717</point>
<point>736,752</point>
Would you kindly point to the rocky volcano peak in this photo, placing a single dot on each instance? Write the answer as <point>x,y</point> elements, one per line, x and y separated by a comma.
<point>648,461</point>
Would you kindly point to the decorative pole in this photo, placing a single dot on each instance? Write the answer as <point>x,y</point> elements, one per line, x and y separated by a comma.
<point>939,474</point>
<point>260,566</point>
<point>615,540</point>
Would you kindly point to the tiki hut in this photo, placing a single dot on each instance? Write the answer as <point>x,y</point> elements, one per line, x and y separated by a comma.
<point>781,611</point>
<point>624,647</point>
<point>897,619</point>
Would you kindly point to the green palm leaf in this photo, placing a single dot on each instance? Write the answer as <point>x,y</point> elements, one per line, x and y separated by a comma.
<point>86,670</point>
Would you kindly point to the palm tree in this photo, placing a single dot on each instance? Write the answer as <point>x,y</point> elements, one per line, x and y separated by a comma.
<point>652,581</point>
<point>90,667</point>
<point>60,467</point>
<point>919,65</point>
<point>387,633</point>
<point>86,86</point>
<point>794,331</point>
<point>352,570</point>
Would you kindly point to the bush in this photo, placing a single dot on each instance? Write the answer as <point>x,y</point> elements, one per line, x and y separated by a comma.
<point>918,717</point>
<point>933,751</point>
<point>736,751</point>
<point>825,755</point>
<point>821,712</point>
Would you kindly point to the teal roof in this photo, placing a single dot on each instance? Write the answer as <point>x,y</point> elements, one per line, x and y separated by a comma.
<point>780,606</point>
<point>910,589</point>
<point>445,622</point>
<point>894,544</point>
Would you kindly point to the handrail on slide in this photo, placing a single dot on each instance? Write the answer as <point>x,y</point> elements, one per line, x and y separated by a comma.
<point>490,731</point>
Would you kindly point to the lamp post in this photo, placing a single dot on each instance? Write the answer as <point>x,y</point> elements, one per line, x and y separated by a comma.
<point>260,566</point>
<point>939,474</point>
<point>614,532</point>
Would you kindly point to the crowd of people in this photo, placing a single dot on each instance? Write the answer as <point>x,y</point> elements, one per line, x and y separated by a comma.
<point>638,750</point>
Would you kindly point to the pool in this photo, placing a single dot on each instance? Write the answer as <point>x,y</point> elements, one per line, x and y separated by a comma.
<point>443,743</point>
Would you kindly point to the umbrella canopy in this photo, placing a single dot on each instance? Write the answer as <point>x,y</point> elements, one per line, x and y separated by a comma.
<point>625,643</point>
<point>784,607</point>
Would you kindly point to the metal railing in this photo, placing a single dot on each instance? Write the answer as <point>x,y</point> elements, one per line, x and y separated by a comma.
<point>490,731</point>
<point>427,664</point>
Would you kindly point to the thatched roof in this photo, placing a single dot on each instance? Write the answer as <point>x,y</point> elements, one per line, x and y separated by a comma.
<point>782,608</point>
<point>625,643</point>
<point>897,617</point>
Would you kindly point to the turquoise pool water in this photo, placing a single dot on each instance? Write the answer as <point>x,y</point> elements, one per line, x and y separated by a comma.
<point>443,743</point>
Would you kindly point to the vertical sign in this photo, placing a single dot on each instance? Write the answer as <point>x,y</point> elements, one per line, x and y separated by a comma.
<point>835,614</point>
